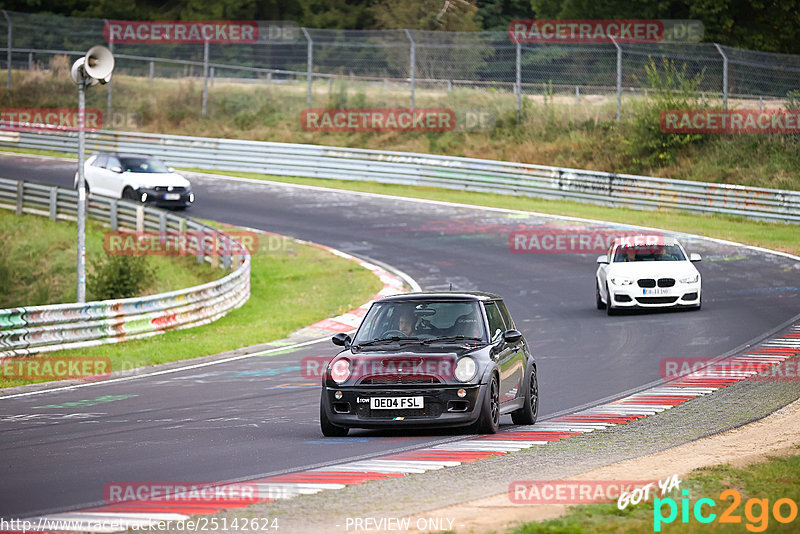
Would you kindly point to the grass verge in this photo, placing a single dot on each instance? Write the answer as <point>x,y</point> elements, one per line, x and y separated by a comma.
<point>41,268</point>
<point>775,236</point>
<point>766,482</point>
<point>291,286</point>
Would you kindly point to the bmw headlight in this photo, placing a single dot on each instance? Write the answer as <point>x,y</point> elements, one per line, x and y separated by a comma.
<point>466,369</point>
<point>621,281</point>
<point>691,279</point>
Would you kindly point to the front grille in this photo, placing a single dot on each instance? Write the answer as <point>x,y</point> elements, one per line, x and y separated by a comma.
<point>666,282</point>
<point>646,282</point>
<point>656,300</point>
<point>431,409</point>
<point>394,380</point>
<point>166,189</point>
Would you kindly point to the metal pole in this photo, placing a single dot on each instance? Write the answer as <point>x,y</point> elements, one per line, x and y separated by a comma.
<point>619,79</point>
<point>110,91</point>
<point>519,82</point>
<point>152,71</point>
<point>413,64</point>
<point>81,195</point>
<point>8,48</point>
<point>205,77</point>
<point>724,76</point>
<point>309,65</point>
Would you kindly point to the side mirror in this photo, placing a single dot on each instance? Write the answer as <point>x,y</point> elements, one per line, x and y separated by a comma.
<point>512,336</point>
<point>342,339</point>
<point>116,169</point>
<point>694,257</point>
<point>602,258</point>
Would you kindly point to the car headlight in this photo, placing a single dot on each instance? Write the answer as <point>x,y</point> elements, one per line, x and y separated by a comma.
<point>621,281</point>
<point>340,371</point>
<point>691,279</point>
<point>466,369</point>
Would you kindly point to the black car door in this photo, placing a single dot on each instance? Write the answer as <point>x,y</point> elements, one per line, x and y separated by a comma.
<point>510,359</point>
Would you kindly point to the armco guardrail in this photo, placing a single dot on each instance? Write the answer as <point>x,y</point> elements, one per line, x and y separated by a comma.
<point>640,192</point>
<point>35,329</point>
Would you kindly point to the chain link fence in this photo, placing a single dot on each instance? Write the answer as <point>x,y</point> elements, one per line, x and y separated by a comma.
<point>403,66</point>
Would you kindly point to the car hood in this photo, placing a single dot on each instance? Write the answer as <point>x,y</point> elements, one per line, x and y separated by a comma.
<point>405,363</point>
<point>652,269</point>
<point>154,179</point>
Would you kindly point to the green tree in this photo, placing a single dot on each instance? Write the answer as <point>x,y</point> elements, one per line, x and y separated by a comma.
<point>447,15</point>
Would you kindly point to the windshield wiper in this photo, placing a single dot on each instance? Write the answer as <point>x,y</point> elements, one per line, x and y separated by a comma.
<point>452,338</point>
<point>392,339</point>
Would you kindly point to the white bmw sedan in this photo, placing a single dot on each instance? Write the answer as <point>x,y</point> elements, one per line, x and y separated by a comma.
<point>136,177</point>
<point>646,271</point>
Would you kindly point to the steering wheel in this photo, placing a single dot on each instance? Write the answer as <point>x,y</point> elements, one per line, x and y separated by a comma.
<point>394,333</point>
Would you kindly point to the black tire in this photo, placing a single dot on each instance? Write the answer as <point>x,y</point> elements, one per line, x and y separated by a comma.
<point>600,304</point>
<point>609,309</point>
<point>489,420</point>
<point>529,412</point>
<point>329,429</point>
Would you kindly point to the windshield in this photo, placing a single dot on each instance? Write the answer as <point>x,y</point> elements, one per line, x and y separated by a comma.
<point>137,164</point>
<point>648,253</point>
<point>421,320</point>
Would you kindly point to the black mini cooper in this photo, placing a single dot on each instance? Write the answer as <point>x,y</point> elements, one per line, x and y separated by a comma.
<point>431,359</point>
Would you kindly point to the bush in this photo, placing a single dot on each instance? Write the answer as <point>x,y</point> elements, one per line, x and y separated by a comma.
<point>671,88</point>
<point>119,277</point>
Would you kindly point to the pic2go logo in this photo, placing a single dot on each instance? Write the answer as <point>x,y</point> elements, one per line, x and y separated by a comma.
<point>756,511</point>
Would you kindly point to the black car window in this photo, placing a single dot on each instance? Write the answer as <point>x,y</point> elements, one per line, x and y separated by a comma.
<point>100,161</point>
<point>506,316</point>
<point>422,319</point>
<point>495,319</point>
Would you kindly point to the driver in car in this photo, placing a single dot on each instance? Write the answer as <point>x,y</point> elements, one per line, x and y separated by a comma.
<point>406,321</point>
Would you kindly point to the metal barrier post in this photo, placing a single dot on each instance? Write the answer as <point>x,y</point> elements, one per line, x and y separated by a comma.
<point>140,218</point>
<point>110,85</point>
<point>20,195</point>
<point>152,72</point>
<point>113,218</point>
<point>724,76</point>
<point>518,87</point>
<point>53,203</point>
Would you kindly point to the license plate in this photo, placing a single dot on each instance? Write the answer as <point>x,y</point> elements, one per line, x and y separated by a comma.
<point>396,403</point>
<point>172,196</point>
<point>655,291</point>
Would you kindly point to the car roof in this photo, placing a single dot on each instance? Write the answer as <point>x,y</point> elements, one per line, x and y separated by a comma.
<point>124,155</point>
<point>645,240</point>
<point>442,295</point>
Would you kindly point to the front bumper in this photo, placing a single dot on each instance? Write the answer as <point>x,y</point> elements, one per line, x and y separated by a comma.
<point>183,198</point>
<point>633,296</point>
<point>442,406</point>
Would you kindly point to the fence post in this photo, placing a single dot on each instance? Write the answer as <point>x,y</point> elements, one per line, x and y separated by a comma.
<point>211,76</point>
<point>140,218</point>
<point>619,79</point>
<point>152,72</point>
<point>30,60</point>
<point>724,77</point>
<point>309,65</point>
<point>20,194</point>
<point>53,203</point>
<point>8,48</point>
<point>205,77</point>
<point>577,94</point>
<point>518,87</point>
<point>112,215</point>
<point>413,64</point>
